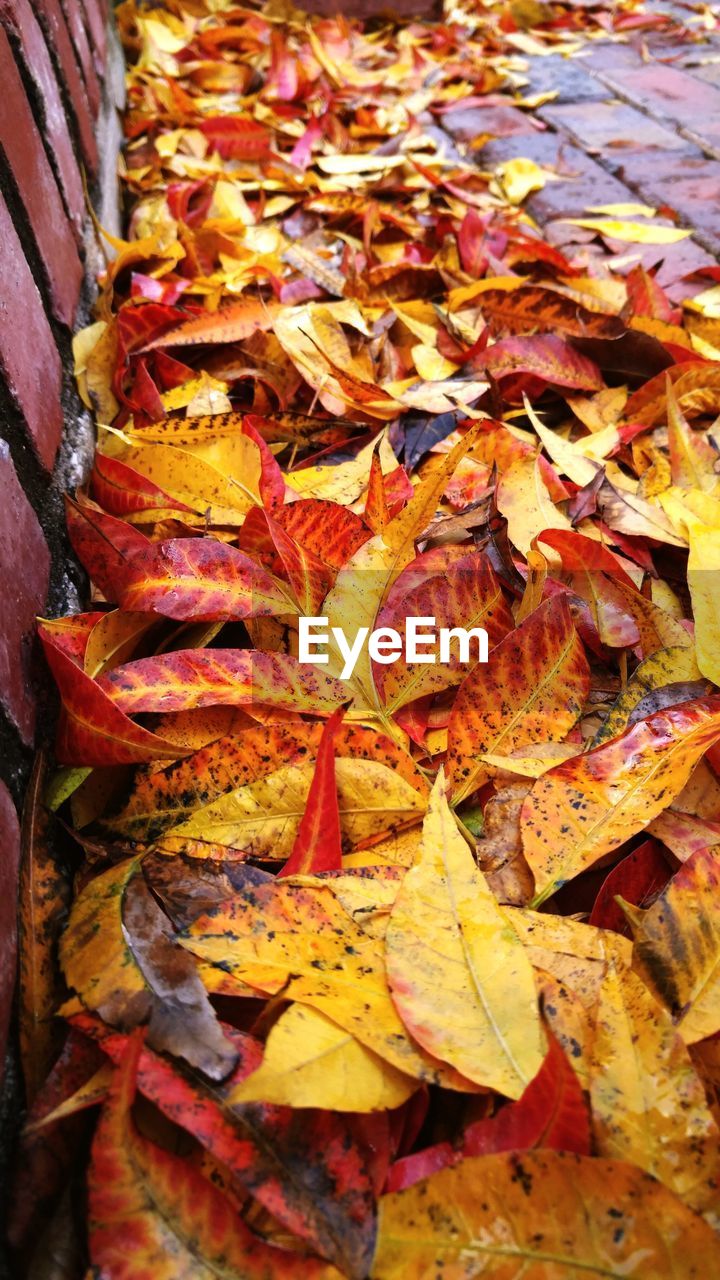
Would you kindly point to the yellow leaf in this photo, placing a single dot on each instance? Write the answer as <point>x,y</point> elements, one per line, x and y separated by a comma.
<point>648,1103</point>
<point>588,806</point>
<point>703,566</point>
<point>568,458</point>
<point>541,1215</point>
<point>519,177</point>
<point>632,232</point>
<point>459,977</point>
<point>524,500</point>
<point>623,210</point>
<point>298,940</point>
<point>311,1062</point>
<point>430,364</point>
<point>262,817</point>
<point>665,666</point>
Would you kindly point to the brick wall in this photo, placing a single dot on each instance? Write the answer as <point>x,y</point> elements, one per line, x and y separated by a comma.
<point>61,86</point>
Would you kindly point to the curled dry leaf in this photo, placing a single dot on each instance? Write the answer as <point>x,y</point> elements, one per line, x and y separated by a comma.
<point>120,956</point>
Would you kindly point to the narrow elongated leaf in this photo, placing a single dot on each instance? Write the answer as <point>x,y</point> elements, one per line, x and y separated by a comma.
<point>232,323</point>
<point>704,584</point>
<point>43,901</point>
<point>547,357</point>
<point>448,942</point>
<point>92,730</point>
<point>263,817</point>
<point>587,806</point>
<point>200,579</point>
<point>190,678</point>
<point>318,843</point>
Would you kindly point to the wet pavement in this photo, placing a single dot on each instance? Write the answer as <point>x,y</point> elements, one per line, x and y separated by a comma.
<point>635,121</point>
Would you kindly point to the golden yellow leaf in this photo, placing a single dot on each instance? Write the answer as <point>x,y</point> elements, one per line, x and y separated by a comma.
<point>299,940</point>
<point>262,817</point>
<point>459,977</point>
<point>648,1103</point>
<point>545,1215</point>
<point>632,232</point>
<point>703,573</point>
<point>311,1062</point>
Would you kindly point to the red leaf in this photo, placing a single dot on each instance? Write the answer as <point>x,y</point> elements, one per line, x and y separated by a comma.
<point>638,878</point>
<point>546,357</point>
<point>153,1215</point>
<point>201,579</point>
<point>318,843</point>
<point>472,244</point>
<point>236,137</point>
<point>552,1112</point>
<point>105,545</point>
<point>91,729</point>
<point>302,1166</point>
<point>122,490</point>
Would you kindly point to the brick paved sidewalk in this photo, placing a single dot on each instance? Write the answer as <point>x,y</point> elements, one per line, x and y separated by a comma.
<point>635,121</point>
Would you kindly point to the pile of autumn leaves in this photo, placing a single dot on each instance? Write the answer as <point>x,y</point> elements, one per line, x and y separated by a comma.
<point>305,975</point>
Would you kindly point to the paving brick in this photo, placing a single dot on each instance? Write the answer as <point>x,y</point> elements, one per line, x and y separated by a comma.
<point>688,184</point>
<point>18,18</point>
<point>583,182</point>
<point>709,74</point>
<point>52,18</point>
<point>612,57</point>
<point>670,94</point>
<point>9,866</point>
<point>25,568</point>
<point>568,77</point>
<point>29,359</point>
<point>587,183</point>
<point>615,129</point>
<point>25,153</point>
<point>466,123</point>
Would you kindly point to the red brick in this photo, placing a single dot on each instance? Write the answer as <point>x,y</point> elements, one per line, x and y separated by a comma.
<point>613,128</point>
<point>466,123</point>
<point>51,16</point>
<point>29,359</point>
<point>688,184</point>
<point>75,19</point>
<point>96,20</point>
<point>26,156</point>
<point>583,181</point>
<point>9,866</point>
<point>671,94</point>
<point>25,568</point>
<point>18,18</point>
